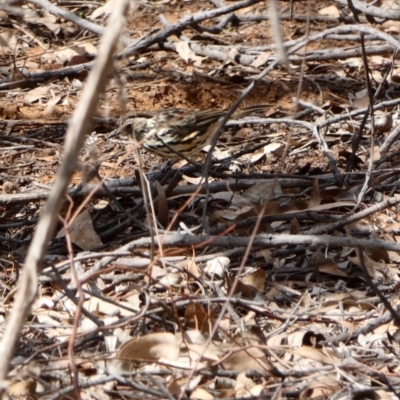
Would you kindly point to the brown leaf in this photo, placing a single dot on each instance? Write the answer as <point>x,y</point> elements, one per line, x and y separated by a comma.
<point>294,226</point>
<point>256,279</point>
<point>151,347</point>
<point>378,254</point>
<point>270,209</point>
<point>22,389</point>
<point>370,265</point>
<point>187,54</point>
<point>262,192</point>
<point>247,291</point>
<point>201,394</point>
<point>162,213</point>
<point>315,199</point>
<point>82,232</point>
<point>195,316</point>
<point>246,387</point>
<point>191,266</point>
<point>250,359</point>
<point>318,259</point>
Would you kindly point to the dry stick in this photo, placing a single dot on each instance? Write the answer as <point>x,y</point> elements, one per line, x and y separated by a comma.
<point>239,182</point>
<point>274,20</point>
<point>217,3</point>
<point>83,23</point>
<point>219,131</point>
<point>370,111</point>
<point>263,241</point>
<point>289,43</point>
<point>118,253</point>
<point>256,307</point>
<point>355,113</point>
<point>29,34</point>
<point>13,10</point>
<point>216,52</point>
<point>68,221</point>
<point>61,73</point>
<point>221,52</point>
<point>330,36</point>
<point>81,300</point>
<point>358,28</point>
<point>392,201</point>
<point>288,138</point>
<point>344,53</point>
<point>64,393</point>
<point>259,241</point>
<point>160,36</point>
<point>251,17</point>
<point>370,327</point>
<point>74,140</point>
<point>389,13</point>
<point>68,292</point>
<point>165,392</point>
<point>390,139</point>
<point>375,288</point>
<point>238,321</point>
<point>148,202</point>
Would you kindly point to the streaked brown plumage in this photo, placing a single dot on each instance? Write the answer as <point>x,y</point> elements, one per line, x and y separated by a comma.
<point>185,131</point>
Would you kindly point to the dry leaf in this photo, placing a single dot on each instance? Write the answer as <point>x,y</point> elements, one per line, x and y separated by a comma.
<point>201,394</point>
<point>191,266</point>
<point>256,279</point>
<point>371,265</point>
<point>261,59</point>
<point>331,11</point>
<point>36,94</point>
<point>247,292</point>
<point>360,99</point>
<point>195,316</point>
<point>245,387</point>
<point>217,266</point>
<point>310,353</point>
<point>82,232</point>
<point>315,198</point>
<point>294,226</point>
<point>104,10</point>
<point>270,209</point>
<point>251,359</point>
<point>100,306</point>
<point>151,347</point>
<point>22,389</point>
<point>262,192</point>
<point>162,211</point>
<point>187,54</point>
<point>174,388</point>
<point>391,26</point>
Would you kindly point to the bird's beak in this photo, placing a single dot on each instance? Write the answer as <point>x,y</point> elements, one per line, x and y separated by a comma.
<point>113,133</point>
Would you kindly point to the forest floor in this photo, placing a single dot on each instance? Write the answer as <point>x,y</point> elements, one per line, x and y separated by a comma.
<point>281,281</point>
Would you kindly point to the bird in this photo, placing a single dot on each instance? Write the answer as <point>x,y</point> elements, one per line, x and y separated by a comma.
<point>171,133</point>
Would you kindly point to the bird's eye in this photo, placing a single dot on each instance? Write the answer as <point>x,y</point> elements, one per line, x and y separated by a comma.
<point>128,128</point>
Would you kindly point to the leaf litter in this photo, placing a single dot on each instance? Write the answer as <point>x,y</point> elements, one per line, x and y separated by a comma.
<point>204,320</point>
